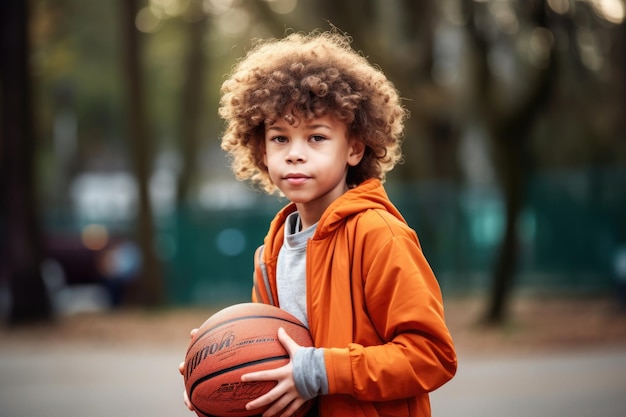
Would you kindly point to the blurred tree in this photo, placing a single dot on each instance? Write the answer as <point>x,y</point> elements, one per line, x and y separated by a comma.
<point>20,244</point>
<point>488,70</point>
<point>149,291</point>
<point>509,129</point>
<point>192,98</point>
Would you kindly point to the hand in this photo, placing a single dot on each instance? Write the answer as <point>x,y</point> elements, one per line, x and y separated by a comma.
<point>284,397</point>
<point>181,369</point>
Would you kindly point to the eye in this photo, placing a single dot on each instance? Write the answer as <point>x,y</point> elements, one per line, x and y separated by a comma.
<point>279,139</point>
<point>317,138</point>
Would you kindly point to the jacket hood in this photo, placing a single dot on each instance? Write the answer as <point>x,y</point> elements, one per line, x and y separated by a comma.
<point>366,196</point>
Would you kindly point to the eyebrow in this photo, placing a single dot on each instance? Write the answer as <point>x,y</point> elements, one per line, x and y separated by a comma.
<point>317,126</point>
<point>280,129</point>
<point>309,127</point>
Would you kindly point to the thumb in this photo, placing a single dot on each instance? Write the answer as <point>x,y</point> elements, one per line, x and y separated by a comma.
<point>288,343</point>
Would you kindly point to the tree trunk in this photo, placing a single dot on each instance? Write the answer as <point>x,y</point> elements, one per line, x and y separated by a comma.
<point>509,133</point>
<point>513,178</point>
<point>149,288</point>
<point>20,245</point>
<point>192,106</point>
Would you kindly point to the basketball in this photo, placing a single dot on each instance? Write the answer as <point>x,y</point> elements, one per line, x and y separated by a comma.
<point>234,341</point>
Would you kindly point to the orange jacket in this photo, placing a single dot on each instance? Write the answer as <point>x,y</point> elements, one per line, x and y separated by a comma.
<point>373,303</point>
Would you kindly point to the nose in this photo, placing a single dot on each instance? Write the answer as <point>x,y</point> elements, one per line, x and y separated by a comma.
<point>295,153</point>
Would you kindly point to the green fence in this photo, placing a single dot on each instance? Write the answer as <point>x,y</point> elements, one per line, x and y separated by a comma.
<point>570,230</point>
<point>213,254</point>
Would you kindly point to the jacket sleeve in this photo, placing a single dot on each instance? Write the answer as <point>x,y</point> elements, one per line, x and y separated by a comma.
<point>404,303</point>
<point>261,292</point>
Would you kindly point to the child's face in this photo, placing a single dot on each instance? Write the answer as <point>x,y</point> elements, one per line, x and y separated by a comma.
<point>308,160</point>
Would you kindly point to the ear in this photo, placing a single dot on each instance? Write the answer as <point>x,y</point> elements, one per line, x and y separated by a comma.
<point>356,151</point>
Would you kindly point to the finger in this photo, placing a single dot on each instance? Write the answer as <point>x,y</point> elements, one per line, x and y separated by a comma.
<point>283,406</point>
<point>181,367</point>
<point>187,401</point>
<point>268,375</point>
<point>193,332</point>
<point>266,399</point>
<point>288,343</point>
<point>291,409</point>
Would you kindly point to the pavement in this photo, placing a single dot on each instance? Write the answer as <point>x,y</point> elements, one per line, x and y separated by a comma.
<point>584,384</point>
<point>78,381</point>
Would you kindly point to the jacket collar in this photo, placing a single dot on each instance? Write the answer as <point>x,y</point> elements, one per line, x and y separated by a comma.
<point>370,194</point>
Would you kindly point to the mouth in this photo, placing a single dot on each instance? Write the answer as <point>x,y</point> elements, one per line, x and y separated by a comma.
<point>296,178</point>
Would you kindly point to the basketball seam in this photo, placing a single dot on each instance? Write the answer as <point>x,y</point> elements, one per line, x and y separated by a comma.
<point>198,338</point>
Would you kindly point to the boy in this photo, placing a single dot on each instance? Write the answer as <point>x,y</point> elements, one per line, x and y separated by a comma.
<point>308,117</point>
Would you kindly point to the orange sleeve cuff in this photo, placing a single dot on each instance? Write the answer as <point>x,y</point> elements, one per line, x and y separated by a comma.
<point>338,370</point>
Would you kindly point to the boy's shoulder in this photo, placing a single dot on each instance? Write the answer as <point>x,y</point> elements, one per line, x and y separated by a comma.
<point>380,222</point>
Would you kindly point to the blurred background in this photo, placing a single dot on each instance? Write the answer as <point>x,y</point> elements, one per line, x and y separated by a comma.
<point>115,197</point>
<point>114,189</point>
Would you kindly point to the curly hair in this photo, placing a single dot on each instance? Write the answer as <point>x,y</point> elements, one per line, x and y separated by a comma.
<point>315,75</point>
